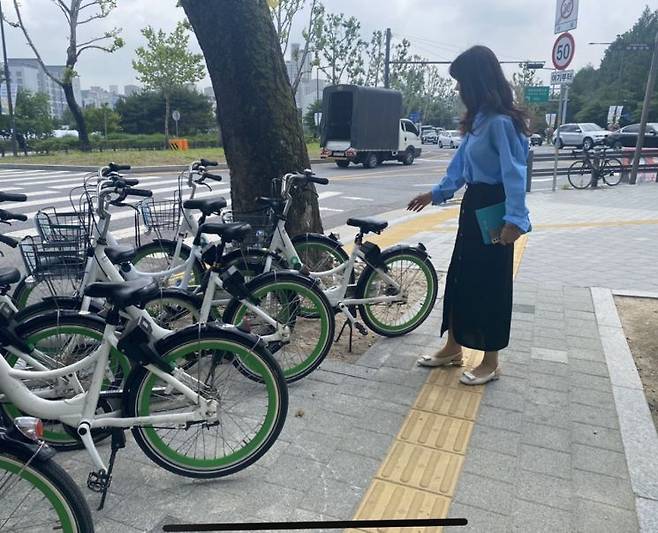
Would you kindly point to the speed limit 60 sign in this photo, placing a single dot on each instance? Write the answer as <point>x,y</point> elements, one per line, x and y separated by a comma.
<point>563,51</point>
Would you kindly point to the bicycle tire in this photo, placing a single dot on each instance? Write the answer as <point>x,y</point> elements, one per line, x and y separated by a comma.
<point>26,294</point>
<point>577,173</point>
<point>319,253</point>
<point>219,346</point>
<point>612,172</point>
<point>300,302</point>
<point>45,327</point>
<point>155,252</point>
<point>368,280</point>
<point>50,305</point>
<point>55,485</point>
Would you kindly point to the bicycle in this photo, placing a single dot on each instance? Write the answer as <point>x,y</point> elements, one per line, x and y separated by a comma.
<point>214,379</point>
<point>394,293</point>
<point>36,494</point>
<point>595,166</point>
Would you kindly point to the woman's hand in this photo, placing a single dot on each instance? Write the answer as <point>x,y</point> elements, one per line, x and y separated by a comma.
<point>420,202</point>
<point>510,234</point>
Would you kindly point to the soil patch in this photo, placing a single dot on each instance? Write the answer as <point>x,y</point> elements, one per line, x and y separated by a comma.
<point>639,318</point>
<point>360,344</point>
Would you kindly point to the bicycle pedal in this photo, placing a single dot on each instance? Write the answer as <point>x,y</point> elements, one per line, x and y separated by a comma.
<point>361,328</point>
<point>99,481</point>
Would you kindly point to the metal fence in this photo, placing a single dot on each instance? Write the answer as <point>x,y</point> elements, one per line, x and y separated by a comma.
<point>648,163</point>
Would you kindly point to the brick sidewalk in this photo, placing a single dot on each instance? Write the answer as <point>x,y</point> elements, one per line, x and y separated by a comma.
<point>545,453</point>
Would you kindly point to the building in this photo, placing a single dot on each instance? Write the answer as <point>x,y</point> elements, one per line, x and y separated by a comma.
<point>130,90</point>
<point>99,97</point>
<point>27,75</point>
<point>310,88</point>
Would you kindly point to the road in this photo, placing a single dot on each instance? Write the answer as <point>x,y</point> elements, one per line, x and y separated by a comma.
<point>352,192</point>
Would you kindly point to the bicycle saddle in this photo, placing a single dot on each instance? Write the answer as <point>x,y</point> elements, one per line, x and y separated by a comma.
<point>228,232</point>
<point>274,203</point>
<point>207,207</point>
<point>368,225</point>
<point>126,293</point>
<point>9,276</point>
<point>120,254</point>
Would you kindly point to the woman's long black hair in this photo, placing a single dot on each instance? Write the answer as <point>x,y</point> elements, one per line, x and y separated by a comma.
<point>483,87</point>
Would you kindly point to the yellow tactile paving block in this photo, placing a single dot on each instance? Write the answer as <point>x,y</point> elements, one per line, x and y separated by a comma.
<point>436,431</point>
<point>420,473</point>
<point>447,401</point>
<point>394,502</point>
<point>422,468</point>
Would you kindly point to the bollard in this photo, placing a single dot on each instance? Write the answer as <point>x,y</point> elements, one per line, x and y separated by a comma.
<point>531,161</point>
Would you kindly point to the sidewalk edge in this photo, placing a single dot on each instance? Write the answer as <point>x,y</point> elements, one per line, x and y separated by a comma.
<point>638,432</point>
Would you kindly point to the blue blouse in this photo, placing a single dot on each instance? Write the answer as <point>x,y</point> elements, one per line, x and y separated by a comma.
<point>495,152</point>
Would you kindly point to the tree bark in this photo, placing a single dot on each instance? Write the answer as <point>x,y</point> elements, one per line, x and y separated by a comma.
<point>262,134</point>
<point>79,118</point>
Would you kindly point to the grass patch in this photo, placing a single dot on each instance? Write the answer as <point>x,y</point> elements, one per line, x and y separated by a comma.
<point>131,157</point>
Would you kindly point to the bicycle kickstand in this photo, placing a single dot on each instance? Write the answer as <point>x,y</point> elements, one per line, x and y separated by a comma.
<point>100,481</point>
<point>342,330</point>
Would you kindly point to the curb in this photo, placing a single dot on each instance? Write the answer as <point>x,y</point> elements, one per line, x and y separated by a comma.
<point>135,170</point>
<point>638,432</point>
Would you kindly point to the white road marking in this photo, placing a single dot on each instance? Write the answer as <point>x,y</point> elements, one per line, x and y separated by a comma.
<point>332,210</point>
<point>358,199</point>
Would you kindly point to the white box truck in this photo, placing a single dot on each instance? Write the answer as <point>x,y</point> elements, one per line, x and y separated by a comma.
<point>362,125</point>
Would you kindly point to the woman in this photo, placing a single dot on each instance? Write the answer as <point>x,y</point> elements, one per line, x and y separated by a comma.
<point>491,162</point>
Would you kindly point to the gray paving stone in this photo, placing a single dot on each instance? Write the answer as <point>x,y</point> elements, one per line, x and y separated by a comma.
<point>401,361</point>
<point>600,461</point>
<point>484,493</point>
<point>399,394</point>
<point>600,437</point>
<point>478,519</point>
<point>545,461</point>
<point>595,416</point>
<point>647,511</point>
<point>509,368</point>
<point>592,397</point>
<point>389,375</point>
<point>356,470</point>
<point>531,516</point>
<point>332,497</point>
<point>603,489</point>
<point>511,384</point>
<point>503,399</point>
<point>541,330</point>
<point>550,343</point>
<point>594,368</point>
<point>381,420</point>
<point>311,445</point>
<point>500,440</point>
<point>554,356</point>
<point>294,471</point>
<point>497,417</point>
<point>593,517</point>
<point>589,381</point>
<point>583,342</point>
<point>551,437</point>
<point>491,464</point>
<point>523,317</point>
<point>326,421</point>
<point>547,381</point>
<point>367,443</point>
<point>545,490</point>
<point>549,415</point>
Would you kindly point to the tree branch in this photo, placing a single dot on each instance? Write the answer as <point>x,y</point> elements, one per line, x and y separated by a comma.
<point>31,44</point>
<point>93,47</point>
<point>64,9</point>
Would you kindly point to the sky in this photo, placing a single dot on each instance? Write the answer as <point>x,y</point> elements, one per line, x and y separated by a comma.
<point>438,29</point>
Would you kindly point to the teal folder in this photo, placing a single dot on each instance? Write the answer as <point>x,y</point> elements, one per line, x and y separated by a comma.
<point>491,220</point>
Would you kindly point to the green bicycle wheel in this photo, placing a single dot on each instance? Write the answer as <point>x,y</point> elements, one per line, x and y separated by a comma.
<point>418,284</point>
<point>250,413</point>
<point>39,496</point>
<point>60,340</point>
<point>158,256</point>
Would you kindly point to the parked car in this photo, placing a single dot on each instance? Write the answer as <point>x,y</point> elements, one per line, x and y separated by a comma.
<point>430,137</point>
<point>451,138</point>
<point>627,136</point>
<point>583,135</point>
<point>536,140</point>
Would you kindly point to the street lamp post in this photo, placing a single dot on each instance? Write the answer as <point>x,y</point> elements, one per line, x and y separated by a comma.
<point>10,105</point>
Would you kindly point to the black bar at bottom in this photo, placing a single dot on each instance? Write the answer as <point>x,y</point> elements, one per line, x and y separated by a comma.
<point>356,524</point>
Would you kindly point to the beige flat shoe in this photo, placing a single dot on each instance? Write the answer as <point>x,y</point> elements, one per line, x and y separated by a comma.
<point>470,379</point>
<point>434,361</point>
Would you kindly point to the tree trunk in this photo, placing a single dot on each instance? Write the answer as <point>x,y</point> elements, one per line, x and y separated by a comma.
<point>79,118</point>
<point>262,134</point>
<point>167,113</point>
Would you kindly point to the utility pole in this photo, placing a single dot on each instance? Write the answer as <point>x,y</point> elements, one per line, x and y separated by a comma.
<point>10,105</point>
<point>387,60</point>
<point>651,82</point>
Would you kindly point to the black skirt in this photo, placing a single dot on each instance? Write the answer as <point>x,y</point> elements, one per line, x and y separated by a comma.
<point>477,306</point>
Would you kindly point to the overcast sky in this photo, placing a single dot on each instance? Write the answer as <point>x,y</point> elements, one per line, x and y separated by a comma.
<point>439,29</point>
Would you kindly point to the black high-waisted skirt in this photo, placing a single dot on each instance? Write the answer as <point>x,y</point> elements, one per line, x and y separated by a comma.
<point>478,298</point>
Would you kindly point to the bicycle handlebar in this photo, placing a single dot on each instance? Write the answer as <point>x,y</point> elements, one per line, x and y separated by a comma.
<point>207,163</point>
<point>214,177</point>
<point>12,197</point>
<point>113,167</point>
<point>6,216</point>
<point>144,193</point>
<point>9,241</point>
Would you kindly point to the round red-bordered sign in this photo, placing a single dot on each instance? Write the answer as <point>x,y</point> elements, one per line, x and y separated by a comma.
<point>563,51</point>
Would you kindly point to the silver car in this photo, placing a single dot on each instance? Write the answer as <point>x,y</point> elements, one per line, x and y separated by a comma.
<point>582,134</point>
<point>451,138</point>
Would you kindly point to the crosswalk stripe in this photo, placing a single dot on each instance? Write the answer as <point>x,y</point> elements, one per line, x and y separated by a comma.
<point>32,177</point>
<point>332,210</point>
<point>358,199</point>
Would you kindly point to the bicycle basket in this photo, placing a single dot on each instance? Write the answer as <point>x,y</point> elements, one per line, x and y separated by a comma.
<point>55,226</point>
<point>161,216</point>
<point>46,259</point>
<point>263,224</point>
